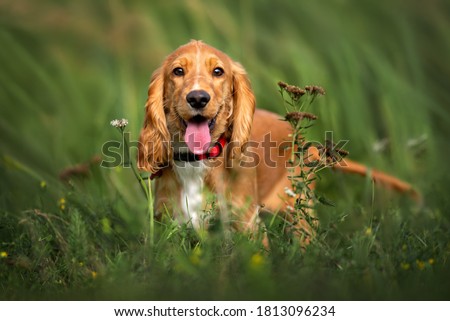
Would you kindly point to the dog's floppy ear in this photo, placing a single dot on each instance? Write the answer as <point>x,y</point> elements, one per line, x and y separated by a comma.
<point>154,139</point>
<point>243,106</point>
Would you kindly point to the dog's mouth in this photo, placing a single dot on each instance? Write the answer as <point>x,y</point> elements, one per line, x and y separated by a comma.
<point>200,119</point>
<point>198,133</point>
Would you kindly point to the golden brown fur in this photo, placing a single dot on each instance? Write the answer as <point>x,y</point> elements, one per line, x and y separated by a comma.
<point>166,100</point>
<point>247,176</point>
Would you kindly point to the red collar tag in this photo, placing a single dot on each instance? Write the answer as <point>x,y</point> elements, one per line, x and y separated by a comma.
<point>214,151</point>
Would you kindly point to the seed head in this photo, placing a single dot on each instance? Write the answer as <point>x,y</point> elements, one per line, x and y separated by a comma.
<point>296,115</point>
<point>293,91</point>
<point>315,90</point>
<point>332,153</point>
<point>282,84</point>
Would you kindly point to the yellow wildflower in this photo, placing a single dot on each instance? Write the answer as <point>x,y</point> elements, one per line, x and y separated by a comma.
<point>405,266</point>
<point>106,225</point>
<point>43,184</point>
<point>256,261</point>
<point>62,203</point>
<point>431,261</point>
<point>3,254</point>
<point>195,256</point>
<point>420,264</point>
<point>368,231</point>
<point>94,274</point>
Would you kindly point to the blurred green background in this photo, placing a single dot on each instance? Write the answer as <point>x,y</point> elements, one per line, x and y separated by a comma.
<point>69,67</point>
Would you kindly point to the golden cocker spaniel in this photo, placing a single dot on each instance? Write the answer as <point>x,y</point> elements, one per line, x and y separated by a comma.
<point>202,135</point>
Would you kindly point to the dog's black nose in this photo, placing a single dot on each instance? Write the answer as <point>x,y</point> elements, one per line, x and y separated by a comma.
<point>198,98</point>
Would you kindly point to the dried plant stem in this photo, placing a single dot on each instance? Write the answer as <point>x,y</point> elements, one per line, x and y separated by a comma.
<point>307,158</point>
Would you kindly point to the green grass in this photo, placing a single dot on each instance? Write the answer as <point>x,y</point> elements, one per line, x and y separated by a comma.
<point>68,68</point>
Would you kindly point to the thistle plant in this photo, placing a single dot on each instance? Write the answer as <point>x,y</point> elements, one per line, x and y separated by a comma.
<point>308,158</point>
<point>146,187</point>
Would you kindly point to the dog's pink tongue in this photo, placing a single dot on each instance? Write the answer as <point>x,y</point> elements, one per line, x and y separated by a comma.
<point>197,137</point>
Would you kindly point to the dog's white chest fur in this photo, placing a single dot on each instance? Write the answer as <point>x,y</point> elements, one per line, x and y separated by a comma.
<point>191,176</point>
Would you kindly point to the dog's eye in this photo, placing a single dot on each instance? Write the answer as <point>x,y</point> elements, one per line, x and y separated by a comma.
<point>178,71</point>
<point>217,72</point>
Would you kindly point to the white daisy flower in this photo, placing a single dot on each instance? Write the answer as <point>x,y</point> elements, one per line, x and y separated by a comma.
<point>119,123</point>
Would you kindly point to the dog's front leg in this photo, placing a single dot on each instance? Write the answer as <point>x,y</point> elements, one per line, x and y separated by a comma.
<point>242,191</point>
<point>167,196</point>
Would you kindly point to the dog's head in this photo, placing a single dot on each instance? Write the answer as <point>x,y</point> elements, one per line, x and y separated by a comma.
<point>196,96</point>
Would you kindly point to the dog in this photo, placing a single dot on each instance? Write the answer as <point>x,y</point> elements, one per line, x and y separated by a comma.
<point>202,135</point>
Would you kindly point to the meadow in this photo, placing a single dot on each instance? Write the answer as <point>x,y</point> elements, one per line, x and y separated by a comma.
<point>70,229</point>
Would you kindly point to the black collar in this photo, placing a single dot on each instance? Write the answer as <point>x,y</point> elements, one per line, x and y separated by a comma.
<point>212,152</point>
